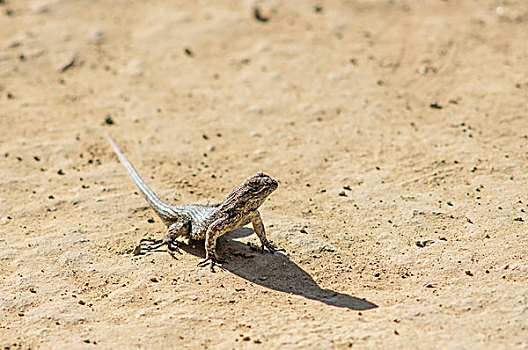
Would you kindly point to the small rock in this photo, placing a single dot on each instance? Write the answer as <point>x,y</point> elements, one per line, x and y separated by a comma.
<point>423,244</point>
<point>189,52</point>
<point>67,63</point>
<point>109,120</point>
<point>137,250</point>
<point>327,248</point>
<point>97,36</point>
<point>42,7</point>
<point>426,70</point>
<point>259,16</point>
<point>134,68</point>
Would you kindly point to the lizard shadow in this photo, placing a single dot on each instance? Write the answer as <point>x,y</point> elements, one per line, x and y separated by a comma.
<point>273,271</point>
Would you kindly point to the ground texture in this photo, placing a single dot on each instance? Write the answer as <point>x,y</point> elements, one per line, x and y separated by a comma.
<point>398,131</point>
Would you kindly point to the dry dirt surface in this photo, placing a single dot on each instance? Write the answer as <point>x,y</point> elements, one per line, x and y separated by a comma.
<point>398,131</point>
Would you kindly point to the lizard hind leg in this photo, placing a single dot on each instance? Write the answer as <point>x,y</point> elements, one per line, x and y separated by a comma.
<point>176,229</point>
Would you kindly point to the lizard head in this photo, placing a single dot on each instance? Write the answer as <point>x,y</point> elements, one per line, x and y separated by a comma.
<point>261,185</point>
<point>250,194</point>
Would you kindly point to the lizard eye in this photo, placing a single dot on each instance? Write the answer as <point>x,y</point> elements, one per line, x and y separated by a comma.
<point>255,188</point>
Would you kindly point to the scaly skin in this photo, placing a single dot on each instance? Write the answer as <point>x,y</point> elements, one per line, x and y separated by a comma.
<point>207,222</point>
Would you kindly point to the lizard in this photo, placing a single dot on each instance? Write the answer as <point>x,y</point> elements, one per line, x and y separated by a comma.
<point>206,222</point>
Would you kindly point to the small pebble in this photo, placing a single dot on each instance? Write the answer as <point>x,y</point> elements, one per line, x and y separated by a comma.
<point>109,120</point>
<point>259,16</point>
<point>67,63</point>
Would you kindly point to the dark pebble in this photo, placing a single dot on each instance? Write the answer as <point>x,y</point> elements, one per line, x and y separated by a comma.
<point>109,120</point>
<point>258,15</point>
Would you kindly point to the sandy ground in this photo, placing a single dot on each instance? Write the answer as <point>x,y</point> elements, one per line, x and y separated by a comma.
<point>398,131</point>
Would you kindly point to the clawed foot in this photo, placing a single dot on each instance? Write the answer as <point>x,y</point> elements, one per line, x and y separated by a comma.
<point>172,246</point>
<point>270,247</point>
<point>150,244</point>
<point>213,261</point>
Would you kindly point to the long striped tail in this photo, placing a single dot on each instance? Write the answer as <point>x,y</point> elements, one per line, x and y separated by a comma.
<point>161,208</point>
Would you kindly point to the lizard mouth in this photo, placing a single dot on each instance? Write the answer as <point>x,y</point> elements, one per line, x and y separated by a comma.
<point>268,180</point>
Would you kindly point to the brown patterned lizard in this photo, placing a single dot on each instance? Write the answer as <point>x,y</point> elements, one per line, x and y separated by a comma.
<point>207,222</point>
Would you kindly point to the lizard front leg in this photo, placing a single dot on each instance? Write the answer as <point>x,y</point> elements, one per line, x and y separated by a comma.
<point>258,226</point>
<point>215,230</point>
